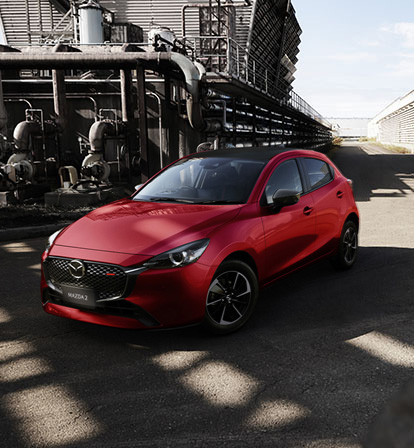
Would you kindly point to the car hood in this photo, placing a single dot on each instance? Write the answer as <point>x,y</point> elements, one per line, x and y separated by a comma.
<point>144,228</point>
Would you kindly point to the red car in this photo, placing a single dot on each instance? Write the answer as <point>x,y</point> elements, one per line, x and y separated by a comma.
<point>198,240</point>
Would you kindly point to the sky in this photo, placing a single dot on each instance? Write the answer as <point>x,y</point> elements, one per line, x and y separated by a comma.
<point>356,56</point>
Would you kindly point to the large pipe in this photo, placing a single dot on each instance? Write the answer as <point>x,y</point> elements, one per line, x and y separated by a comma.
<point>22,133</point>
<point>97,132</point>
<point>155,60</point>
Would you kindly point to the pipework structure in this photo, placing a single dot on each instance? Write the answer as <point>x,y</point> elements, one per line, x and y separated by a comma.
<point>121,96</point>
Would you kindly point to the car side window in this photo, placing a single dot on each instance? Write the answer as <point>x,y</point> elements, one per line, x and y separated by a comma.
<point>285,177</point>
<point>319,172</point>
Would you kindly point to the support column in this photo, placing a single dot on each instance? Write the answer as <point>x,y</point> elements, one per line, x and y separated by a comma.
<point>128,105</point>
<point>61,109</point>
<point>143,124</point>
<point>60,103</point>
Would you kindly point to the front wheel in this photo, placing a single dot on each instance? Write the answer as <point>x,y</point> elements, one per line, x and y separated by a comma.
<point>231,297</point>
<point>348,246</point>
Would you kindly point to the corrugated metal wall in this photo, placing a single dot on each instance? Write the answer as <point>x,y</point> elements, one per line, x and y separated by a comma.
<point>398,128</point>
<point>159,12</point>
<point>15,21</point>
<point>28,21</point>
<point>168,13</point>
<point>24,22</point>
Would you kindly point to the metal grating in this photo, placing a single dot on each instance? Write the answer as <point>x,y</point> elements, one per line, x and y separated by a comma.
<point>96,277</point>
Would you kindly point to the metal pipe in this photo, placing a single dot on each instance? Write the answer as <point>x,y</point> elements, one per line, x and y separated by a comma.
<point>159,125</point>
<point>19,100</point>
<point>23,131</point>
<point>46,96</point>
<point>97,132</point>
<point>156,60</point>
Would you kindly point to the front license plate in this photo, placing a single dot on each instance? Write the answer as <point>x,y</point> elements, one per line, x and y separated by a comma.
<point>79,296</point>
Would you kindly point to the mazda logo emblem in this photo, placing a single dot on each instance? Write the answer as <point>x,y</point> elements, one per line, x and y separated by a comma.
<point>77,269</point>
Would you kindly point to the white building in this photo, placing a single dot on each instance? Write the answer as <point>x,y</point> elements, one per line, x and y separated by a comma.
<point>395,124</point>
<point>350,127</point>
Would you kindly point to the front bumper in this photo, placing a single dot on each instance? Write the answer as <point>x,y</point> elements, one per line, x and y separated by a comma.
<point>151,299</point>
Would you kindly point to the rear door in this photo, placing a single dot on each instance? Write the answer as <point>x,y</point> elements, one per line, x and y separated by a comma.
<point>327,192</point>
<point>290,233</point>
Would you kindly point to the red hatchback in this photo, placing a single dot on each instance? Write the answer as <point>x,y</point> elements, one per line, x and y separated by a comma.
<point>198,240</point>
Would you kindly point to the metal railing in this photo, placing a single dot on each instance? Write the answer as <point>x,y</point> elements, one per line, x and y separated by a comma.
<point>224,55</point>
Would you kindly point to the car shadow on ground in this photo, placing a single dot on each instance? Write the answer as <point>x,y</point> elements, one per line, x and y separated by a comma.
<point>312,368</point>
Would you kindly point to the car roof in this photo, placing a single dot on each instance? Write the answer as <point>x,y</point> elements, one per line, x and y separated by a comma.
<point>262,154</point>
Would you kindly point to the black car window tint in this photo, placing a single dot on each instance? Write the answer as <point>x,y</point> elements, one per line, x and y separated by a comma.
<point>318,171</point>
<point>285,177</point>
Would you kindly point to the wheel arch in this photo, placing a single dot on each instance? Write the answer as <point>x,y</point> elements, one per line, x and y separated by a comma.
<point>354,218</point>
<point>246,258</point>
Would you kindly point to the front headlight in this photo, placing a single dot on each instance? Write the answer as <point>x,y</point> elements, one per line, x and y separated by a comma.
<point>180,256</point>
<point>51,239</point>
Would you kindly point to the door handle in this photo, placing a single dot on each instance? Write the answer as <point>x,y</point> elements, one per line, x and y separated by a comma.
<point>339,194</point>
<point>307,210</point>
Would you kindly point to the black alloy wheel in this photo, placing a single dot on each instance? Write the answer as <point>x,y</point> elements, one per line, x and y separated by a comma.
<point>231,297</point>
<point>348,246</point>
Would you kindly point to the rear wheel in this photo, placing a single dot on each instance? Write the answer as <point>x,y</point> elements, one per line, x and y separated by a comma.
<point>231,297</point>
<point>348,247</point>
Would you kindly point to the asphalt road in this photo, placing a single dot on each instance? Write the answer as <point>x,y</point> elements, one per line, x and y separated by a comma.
<point>318,366</point>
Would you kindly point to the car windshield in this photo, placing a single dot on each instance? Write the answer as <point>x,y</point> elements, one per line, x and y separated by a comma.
<point>204,180</point>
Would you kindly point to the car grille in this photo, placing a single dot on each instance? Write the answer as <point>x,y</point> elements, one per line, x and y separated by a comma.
<point>108,280</point>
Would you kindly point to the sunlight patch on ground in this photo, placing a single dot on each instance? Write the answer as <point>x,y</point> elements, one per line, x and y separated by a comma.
<point>35,267</point>
<point>14,350</point>
<point>329,443</point>
<point>17,247</point>
<point>23,368</point>
<point>220,384</point>
<point>277,413</point>
<point>385,348</point>
<point>51,416</point>
<point>389,191</point>
<point>4,316</point>
<point>178,360</point>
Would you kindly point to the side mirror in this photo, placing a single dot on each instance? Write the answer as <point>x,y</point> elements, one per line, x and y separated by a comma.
<point>137,186</point>
<point>284,198</point>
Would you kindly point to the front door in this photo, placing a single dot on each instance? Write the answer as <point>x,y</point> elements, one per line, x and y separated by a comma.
<point>289,233</point>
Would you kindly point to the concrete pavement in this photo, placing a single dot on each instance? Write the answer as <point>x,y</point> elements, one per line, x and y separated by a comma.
<point>323,355</point>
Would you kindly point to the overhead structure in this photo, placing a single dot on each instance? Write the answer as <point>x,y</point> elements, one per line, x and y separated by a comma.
<point>149,81</point>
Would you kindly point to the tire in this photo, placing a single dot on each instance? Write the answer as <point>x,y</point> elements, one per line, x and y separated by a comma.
<point>347,247</point>
<point>231,297</point>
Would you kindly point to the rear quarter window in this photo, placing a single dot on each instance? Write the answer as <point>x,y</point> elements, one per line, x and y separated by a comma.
<point>319,172</point>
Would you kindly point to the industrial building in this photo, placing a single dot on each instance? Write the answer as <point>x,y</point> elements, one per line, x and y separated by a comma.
<point>95,95</point>
<point>350,128</point>
<point>395,124</point>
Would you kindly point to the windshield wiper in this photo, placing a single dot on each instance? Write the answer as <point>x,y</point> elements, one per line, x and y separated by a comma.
<point>218,202</point>
<point>167,199</point>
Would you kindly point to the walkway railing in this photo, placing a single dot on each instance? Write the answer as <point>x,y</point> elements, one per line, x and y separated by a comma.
<point>224,55</point>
